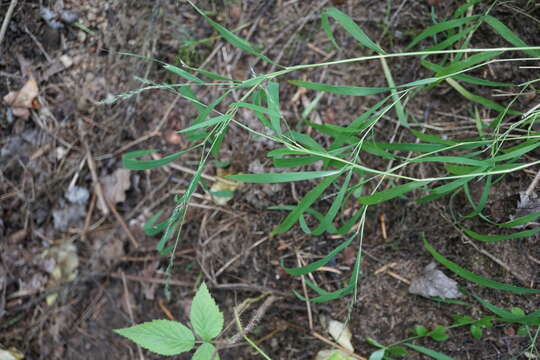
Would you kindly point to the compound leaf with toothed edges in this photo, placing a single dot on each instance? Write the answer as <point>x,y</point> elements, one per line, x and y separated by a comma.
<point>162,337</point>
<point>205,317</point>
<point>205,352</point>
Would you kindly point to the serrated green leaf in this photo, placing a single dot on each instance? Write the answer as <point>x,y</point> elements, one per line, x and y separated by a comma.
<point>162,337</point>
<point>205,317</point>
<point>205,352</point>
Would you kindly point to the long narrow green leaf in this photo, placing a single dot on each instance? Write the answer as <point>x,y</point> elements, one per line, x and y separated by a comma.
<point>530,319</point>
<point>317,264</point>
<point>464,77</point>
<point>391,193</point>
<point>340,90</point>
<point>435,29</point>
<point>272,98</point>
<point>470,276</point>
<point>479,99</point>
<point>353,29</point>
<point>304,204</point>
<point>431,353</point>
<point>232,38</point>
<point>468,62</point>
<point>521,220</point>
<point>207,123</point>
<point>183,73</point>
<point>495,238</point>
<point>129,162</point>
<point>508,35</point>
<point>281,177</point>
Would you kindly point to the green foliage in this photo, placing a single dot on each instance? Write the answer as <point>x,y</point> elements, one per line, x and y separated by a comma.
<point>496,149</point>
<point>167,337</point>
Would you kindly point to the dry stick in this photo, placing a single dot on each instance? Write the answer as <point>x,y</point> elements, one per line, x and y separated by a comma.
<point>229,263</point>
<point>130,310</point>
<point>304,289</point>
<point>122,223</point>
<point>7,18</point>
<point>95,179</point>
<point>533,184</point>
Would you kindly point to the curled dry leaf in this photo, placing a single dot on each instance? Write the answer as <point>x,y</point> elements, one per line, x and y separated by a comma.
<point>341,333</point>
<point>23,100</point>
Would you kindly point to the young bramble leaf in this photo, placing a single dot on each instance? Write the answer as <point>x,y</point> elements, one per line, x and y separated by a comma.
<point>205,317</point>
<point>206,352</point>
<point>163,337</point>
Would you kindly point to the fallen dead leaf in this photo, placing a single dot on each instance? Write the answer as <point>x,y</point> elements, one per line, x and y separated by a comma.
<point>11,354</point>
<point>115,187</point>
<point>222,192</point>
<point>23,100</point>
<point>341,333</point>
<point>66,262</point>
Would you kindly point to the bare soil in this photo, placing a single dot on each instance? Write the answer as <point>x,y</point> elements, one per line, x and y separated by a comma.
<point>71,140</point>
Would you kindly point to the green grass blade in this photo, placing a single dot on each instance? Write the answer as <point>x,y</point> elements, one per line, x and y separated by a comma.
<point>440,27</point>
<point>479,99</point>
<point>391,193</point>
<point>469,62</point>
<point>281,177</point>
<point>232,38</point>
<point>129,162</point>
<point>495,238</point>
<point>507,34</point>
<point>464,77</point>
<point>530,319</point>
<point>521,220</point>
<point>317,264</point>
<point>272,98</point>
<point>297,161</point>
<point>431,353</point>
<point>304,204</point>
<point>470,276</point>
<point>180,72</point>
<point>350,26</point>
<point>339,90</point>
<point>207,123</point>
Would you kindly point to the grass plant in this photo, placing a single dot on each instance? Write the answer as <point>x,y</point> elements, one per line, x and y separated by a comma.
<point>447,54</point>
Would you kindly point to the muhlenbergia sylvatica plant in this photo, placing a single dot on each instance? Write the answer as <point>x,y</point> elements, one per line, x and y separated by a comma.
<point>497,149</point>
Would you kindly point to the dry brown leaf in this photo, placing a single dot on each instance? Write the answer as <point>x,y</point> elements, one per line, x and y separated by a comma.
<point>115,187</point>
<point>64,261</point>
<point>24,99</point>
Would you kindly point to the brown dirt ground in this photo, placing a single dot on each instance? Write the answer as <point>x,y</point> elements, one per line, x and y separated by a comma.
<point>119,282</point>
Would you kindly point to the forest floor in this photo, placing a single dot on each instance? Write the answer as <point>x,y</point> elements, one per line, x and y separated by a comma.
<point>72,269</point>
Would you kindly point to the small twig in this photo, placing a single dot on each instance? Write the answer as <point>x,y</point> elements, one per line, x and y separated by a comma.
<point>533,184</point>
<point>304,289</point>
<point>122,223</point>
<point>39,45</point>
<point>7,18</point>
<point>130,310</point>
<point>224,267</point>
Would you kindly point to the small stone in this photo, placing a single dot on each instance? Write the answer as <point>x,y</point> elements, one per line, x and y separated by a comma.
<point>433,282</point>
